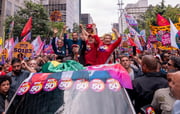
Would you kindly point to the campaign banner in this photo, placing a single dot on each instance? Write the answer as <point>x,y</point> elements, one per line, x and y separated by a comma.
<point>23,48</point>
<point>117,72</point>
<point>152,38</point>
<point>155,29</point>
<point>96,78</point>
<point>166,39</point>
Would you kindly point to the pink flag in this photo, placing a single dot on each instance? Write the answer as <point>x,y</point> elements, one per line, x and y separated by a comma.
<point>9,45</point>
<point>48,49</point>
<point>117,72</point>
<point>27,37</point>
<point>166,40</point>
<point>37,45</point>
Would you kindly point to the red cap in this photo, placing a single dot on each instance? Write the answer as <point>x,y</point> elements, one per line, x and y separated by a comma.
<point>89,26</point>
<point>75,45</point>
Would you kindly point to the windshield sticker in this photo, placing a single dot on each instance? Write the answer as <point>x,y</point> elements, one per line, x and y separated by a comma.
<point>24,88</point>
<point>82,85</point>
<point>97,85</point>
<point>36,88</point>
<point>113,84</point>
<point>50,84</point>
<point>65,84</point>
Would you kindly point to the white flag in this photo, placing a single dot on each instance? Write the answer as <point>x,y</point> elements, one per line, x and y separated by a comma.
<point>173,34</point>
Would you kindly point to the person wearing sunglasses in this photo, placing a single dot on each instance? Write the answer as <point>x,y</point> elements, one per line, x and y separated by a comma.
<point>173,64</point>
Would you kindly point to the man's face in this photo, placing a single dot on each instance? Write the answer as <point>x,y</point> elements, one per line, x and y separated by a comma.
<point>170,66</point>
<point>107,39</point>
<point>75,36</point>
<point>33,64</point>
<point>91,39</point>
<point>4,86</point>
<point>75,49</point>
<point>166,57</point>
<point>60,43</point>
<point>16,67</point>
<point>125,62</point>
<point>89,30</point>
<point>174,84</point>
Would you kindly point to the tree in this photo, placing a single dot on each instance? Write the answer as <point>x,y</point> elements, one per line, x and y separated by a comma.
<point>149,17</point>
<point>39,17</point>
<point>76,27</point>
<point>58,25</point>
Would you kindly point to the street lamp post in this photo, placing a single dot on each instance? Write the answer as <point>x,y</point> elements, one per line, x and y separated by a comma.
<point>121,10</point>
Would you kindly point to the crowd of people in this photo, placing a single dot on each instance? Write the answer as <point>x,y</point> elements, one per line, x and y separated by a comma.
<point>155,75</point>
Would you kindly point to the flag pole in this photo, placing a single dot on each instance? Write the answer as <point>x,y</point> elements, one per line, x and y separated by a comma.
<point>4,36</point>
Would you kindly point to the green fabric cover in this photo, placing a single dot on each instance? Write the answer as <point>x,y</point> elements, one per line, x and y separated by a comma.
<point>69,65</point>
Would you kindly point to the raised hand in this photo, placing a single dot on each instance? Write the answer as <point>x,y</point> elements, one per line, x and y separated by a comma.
<point>55,30</point>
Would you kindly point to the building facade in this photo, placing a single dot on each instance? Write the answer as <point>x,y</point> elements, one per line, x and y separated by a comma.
<point>9,8</point>
<point>116,26</point>
<point>86,19</point>
<point>135,10</point>
<point>69,9</point>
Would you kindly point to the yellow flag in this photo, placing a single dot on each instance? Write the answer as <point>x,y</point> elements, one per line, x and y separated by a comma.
<point>113,36</point>
<point>1,40</point>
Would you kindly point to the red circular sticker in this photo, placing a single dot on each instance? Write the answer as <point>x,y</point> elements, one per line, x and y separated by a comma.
<point>82,85</point>
<point>113,84</point>
<point>97,85</point>
<point>50,84</point>
<point>36,87</point>
<point>65,84</point>
<point>24,88</point>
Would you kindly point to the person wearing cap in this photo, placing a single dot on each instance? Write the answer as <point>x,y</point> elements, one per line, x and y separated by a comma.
<point>90,29</point>
<point>92,43</point>
<point>78,54</point>
<point>105,47</point>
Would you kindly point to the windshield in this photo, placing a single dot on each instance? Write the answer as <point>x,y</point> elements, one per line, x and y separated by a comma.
<point>73,100</point>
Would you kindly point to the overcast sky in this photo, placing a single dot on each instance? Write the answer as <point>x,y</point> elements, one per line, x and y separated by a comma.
<point>105,12</point>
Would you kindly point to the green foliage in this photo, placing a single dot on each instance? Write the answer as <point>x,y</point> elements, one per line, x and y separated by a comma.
<point>39,17</point>
<point>58,25</point>
<point>149,17</point>
<point>76,27</point>
<point>126,31</point>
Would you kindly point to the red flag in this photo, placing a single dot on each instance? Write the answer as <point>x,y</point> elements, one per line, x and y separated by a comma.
<point>27,37</point>
<point>27,27</point>
<point>131,42</point>
<point>161,21</point>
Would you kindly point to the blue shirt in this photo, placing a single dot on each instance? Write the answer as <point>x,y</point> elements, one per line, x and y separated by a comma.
<point>58,51</point>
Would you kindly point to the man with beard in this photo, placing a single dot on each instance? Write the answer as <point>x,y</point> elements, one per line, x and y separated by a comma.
<point>17,74</point>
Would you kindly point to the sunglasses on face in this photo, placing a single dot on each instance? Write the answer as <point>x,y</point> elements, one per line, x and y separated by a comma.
<point>169,64</point>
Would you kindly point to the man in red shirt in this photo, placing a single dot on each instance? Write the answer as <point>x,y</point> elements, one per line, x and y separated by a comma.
<point>92,43</point>
<point>106,48</point>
